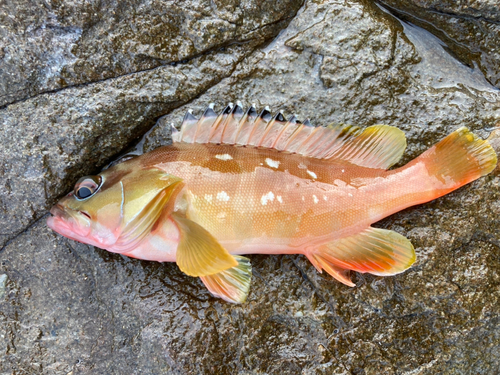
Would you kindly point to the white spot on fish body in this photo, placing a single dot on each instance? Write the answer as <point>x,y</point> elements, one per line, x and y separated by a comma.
<point>303,198</point>
<point>312,174</point>
<point>315,199</point>
<point>325,197</point>
<point>279,199</point>
<point>269,197</point>
<point>223,157</point>
<point>343,170</point>
<point>208,197</point>
<point>302,166</point>
<point>350,194</point>
<point>272,163</point>
<point>222,196</point>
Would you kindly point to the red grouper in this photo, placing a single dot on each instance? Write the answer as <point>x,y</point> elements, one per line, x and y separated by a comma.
<point>248,183</point>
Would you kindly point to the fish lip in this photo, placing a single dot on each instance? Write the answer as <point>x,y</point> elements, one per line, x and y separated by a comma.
<point>65,221</point>
<point>57,211</point>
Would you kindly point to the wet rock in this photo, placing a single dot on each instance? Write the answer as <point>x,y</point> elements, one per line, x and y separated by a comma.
<point>48,46</point>
<point>3,283</point>
<point>470,29</point>
<point>357,64</point>
<point>68,307</point>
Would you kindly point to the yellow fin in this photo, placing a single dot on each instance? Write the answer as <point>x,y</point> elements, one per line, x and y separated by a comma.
<point>378,146</point>
<point>459,158</point>
<point>377,251</point>
<point>233,284</point>
<point>198,252</point>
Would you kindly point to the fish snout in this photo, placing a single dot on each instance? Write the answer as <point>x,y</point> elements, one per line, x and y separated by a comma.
<point>58,211</point>
<point>68,222</point>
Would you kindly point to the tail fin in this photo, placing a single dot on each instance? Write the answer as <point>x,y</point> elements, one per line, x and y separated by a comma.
<point>458,159</point>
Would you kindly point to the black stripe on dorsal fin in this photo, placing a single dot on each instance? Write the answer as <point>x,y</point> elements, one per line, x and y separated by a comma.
<point>378,146</point>
<point>232,124</point>
<point>259,127</point>
<point>288,129</point>
<point>245,126</point>
<point>273,130</point>
<point>218,126</point>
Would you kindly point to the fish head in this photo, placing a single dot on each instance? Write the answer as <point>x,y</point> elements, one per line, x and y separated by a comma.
<point>116,209</point>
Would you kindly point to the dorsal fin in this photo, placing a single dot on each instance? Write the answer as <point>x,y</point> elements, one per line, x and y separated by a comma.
<point>378,146</point>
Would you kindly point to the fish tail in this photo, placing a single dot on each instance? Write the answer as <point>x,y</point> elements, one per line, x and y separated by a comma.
<point>458,159</point>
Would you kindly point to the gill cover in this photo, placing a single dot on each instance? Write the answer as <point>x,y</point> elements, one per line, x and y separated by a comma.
<point>145,195</point>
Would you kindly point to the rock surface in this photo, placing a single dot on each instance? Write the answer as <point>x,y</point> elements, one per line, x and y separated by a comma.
<point>46,46</point>
<point>67,308</point>
<point>470,29</point>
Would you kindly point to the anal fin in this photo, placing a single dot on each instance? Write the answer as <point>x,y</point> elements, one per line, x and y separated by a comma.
<point>322,263</point>
<point>233,284</point>
<point>377,251</point>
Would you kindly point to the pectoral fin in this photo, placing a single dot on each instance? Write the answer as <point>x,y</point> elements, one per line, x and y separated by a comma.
<point>198,252</point>
<point>231,285</point>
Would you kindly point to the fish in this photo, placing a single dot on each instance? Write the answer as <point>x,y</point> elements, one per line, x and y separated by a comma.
<point>243,182</point>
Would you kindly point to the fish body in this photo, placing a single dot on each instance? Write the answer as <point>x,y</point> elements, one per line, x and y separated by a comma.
<point>242,183</point>
<point>263,201</point>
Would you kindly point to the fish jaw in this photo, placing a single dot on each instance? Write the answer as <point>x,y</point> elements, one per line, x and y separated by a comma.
<point>71,224</point>
<point>77,226</point>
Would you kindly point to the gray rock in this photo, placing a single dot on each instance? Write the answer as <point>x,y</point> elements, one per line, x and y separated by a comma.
<point>47,46</point>
<point>3,284</point>
<point>470,29</point>
<point>52,139</point>
<point>72,308</point>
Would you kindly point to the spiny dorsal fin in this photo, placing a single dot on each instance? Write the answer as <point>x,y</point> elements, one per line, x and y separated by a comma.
<point>378,146</point>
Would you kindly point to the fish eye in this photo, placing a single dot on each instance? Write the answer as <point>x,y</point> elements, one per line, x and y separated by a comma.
<point>87,186</point>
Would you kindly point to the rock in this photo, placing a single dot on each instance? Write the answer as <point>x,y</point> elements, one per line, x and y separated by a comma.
<point>69,307</point>
<point>43,155</point>
<point>3,283</point>
<point>470,29</point>
<point>59,44</point>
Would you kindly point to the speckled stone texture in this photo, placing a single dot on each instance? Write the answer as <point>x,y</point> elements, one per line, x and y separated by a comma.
<point>84,91</point>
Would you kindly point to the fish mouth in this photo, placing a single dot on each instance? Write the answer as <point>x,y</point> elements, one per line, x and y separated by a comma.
<point>58,211</point>
<point>70,223</point>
